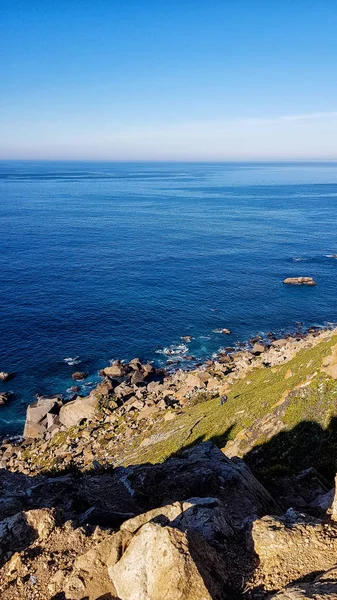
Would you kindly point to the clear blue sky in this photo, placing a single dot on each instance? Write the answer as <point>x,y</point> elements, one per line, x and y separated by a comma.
<point>184,80</point>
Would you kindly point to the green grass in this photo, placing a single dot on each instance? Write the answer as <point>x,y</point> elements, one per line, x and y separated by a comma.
<point>249,400</point>
<point>253,402</point>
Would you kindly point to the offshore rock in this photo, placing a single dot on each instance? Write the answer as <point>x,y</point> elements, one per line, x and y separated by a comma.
<point>5,376</point>
<point>299,281</point>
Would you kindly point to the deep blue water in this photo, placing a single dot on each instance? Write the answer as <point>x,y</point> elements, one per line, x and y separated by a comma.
<point>120,260</point>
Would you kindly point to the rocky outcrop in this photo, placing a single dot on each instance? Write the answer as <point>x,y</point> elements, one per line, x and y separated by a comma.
<point>299,281</point>
<point>192,528</point>
<point>79,375</point>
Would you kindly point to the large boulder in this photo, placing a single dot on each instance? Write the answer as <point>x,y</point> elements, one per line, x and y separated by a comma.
<point>292,546</point>
<point>36,422</point>
<point>162,563</point>
<point>117,369</point>
<point>206,516</point>
<point>78,410</point>
<point>202,471</point>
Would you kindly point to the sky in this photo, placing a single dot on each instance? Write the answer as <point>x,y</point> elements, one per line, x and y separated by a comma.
<point>168,80</point>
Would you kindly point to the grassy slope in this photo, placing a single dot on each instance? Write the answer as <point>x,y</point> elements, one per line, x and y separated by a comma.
<point>264,403</point>
<point>266,392</point>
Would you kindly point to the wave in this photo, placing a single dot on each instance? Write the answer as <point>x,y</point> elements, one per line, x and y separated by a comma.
<point>72,361</point>
<point>175,350</point>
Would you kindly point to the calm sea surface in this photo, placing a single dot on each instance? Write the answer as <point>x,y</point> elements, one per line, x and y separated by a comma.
<point>106,260</point>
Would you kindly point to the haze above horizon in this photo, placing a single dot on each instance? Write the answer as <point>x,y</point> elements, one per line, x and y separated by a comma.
<point>112,80</point>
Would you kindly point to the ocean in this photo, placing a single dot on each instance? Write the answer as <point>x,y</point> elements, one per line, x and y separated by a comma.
<point>115,260</point>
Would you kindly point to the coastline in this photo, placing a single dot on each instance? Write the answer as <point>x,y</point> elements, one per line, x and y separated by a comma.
<point>131,397</point>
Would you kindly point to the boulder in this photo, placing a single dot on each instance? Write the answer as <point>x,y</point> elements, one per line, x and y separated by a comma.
<point>281,343</point>
<point>4,397</point>
<point>163,563</point>
<point>147,412</point>
<point>202,471</point>
<point>138,378</point>
<point>293,546</point>
<point>37,413</point>
<point>206,516</point>
<point>76,411</point>
<point>79,375</point>
<point>106,387</point>
<point>135,364</point>
<point>299,281</point>
<point>20,530</point>
<point>5,376</point>
<point>123,391</point>
<point>117,369</point>
<point>323,587</point>
<point>258,348</point>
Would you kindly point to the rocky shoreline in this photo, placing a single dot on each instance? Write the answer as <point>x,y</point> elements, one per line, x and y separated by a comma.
<point>89,510</point>
<point>134,395</point>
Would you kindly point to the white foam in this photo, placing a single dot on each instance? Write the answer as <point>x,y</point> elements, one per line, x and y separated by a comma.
<point>175,350</point>
<point>72,361</point>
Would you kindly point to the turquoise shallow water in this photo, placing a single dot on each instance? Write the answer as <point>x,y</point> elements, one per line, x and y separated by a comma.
<point>106,260</point>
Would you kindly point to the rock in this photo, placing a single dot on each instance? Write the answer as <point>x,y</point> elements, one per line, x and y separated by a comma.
<point>4,376</point>
<point>20,530</point>
<point>76,411</point>
<point>135,364</point>
<point>206,516</point>
<point>299,281</point>
<point>163,563</point>
<point>36,414</point>
<point>123,391</point>
<point>187,338</point>
<point>258,348</point>
<point>223,330</point>
<point>281,343</point>
<point>334,503</point>
<point>89,577</point>
<point>106,387</point>
<point>202,471</point>
<point>147,412</point>
<point>4,397</point>
<point>147,369</point>
<point>117,369</point>
<point>293,546</point>
<point>322,588</point>
<point>137,378</point>
<point>79,375</point>
<point>133,404</point>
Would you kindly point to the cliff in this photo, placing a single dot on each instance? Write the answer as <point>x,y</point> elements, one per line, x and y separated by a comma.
<point>216,483</point>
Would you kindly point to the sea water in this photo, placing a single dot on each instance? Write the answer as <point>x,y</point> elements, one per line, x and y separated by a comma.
<point>115,260</point>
